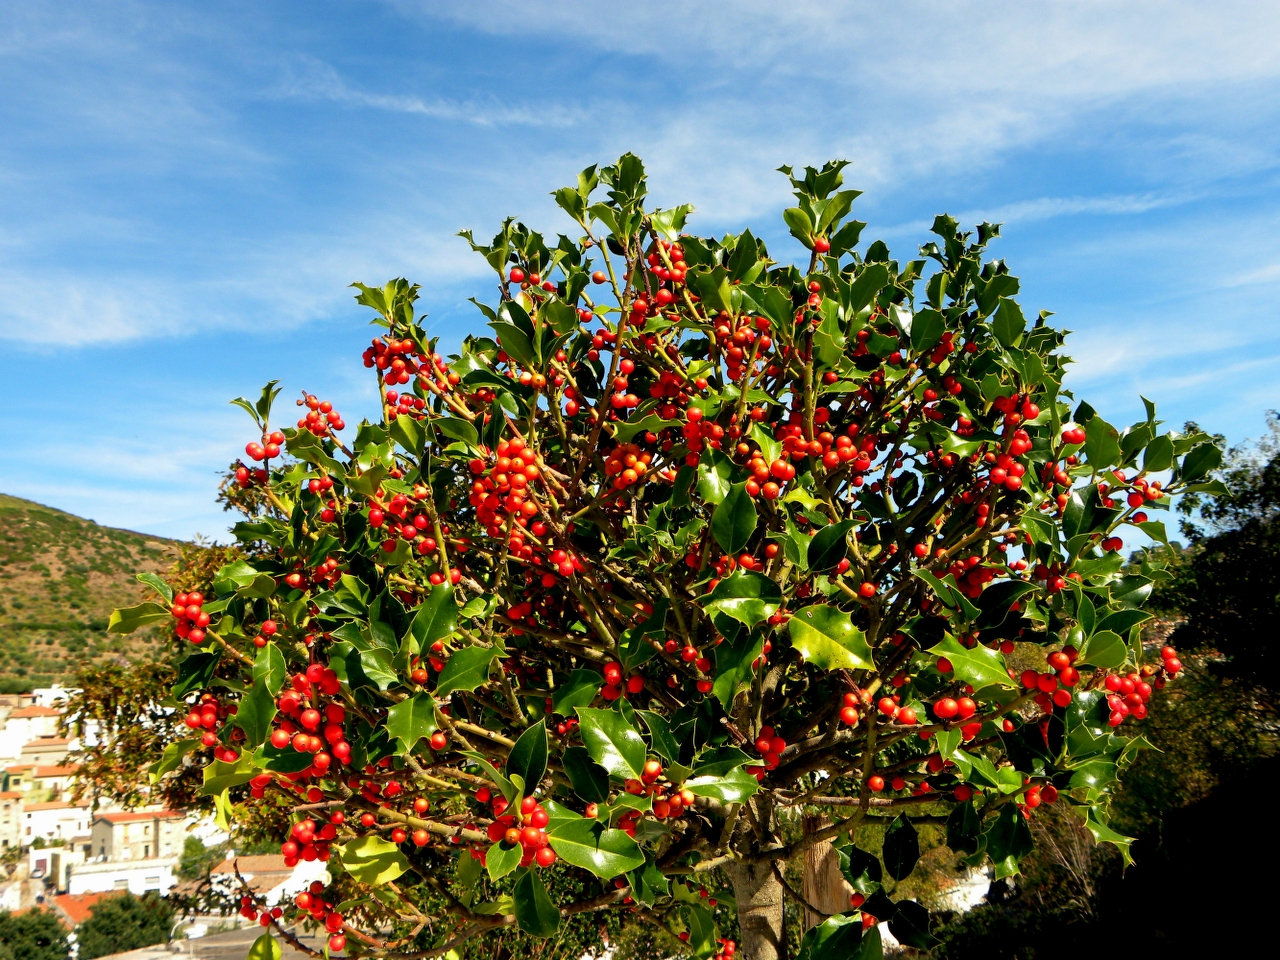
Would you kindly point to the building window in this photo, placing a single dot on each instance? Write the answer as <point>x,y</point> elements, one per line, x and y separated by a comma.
<point>151,883</point>
<point>120,885</point>
<point>146,851</point>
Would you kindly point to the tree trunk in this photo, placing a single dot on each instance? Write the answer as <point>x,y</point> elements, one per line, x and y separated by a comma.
<point>758,894</point>
<point>824,885</point>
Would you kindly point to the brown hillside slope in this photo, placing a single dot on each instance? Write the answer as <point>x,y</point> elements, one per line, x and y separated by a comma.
<point>60,578</point>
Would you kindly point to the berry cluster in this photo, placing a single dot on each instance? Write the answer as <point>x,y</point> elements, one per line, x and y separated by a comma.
<point>320,417</point>
<point>527,828</point>
<point>189,616</point>
<point>309,841</point>
<point>210,715</point>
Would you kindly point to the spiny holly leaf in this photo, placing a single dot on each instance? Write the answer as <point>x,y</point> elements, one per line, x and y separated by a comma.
<point>901,848</point>
<point>827,638</point>
<point>466,669</point>
<point>979,667</point>
<point>411,720</point>
<point>746,597</point>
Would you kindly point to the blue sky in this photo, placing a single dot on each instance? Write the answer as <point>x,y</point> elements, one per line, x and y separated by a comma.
<point>186,189</point>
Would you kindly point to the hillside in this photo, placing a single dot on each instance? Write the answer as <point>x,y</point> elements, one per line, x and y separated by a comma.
<point>60,578</point>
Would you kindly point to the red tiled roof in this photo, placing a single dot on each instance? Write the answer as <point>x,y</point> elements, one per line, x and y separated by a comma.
<point>267,863</point>
<point>136,817</point>
<point>76,907</point>
<point>47,742</point>
<point>63,771</point>
<point>12,795</point>
<point>54,805</point>
<point>19,768</point>
<point>35,710</point>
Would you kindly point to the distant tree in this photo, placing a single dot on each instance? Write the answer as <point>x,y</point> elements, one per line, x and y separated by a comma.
<point>32,935</point>
<point>1228,584</point>
<point>197,859</point>
<point>124,922</point>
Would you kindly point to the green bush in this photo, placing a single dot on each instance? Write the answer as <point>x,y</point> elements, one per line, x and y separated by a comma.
<point>125,922</point>
<point>32,935</point>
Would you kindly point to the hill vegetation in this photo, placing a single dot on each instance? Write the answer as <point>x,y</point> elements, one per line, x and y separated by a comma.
<point>60,578</point>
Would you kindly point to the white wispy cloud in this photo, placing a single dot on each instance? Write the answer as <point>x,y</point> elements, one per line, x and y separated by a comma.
<point>312,79</point>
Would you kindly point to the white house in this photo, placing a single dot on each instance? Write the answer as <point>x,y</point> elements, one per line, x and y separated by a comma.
<point>136,876</point>
<point>24,725</point>
<point>267,876</point>
<point>55,820</point>
<point>10,819</point>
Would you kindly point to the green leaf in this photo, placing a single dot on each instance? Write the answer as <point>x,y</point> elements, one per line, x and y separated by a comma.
<point>702,930</point>
<point>578,691</point>
<point>1104,649</point>
<point>1009,323</point>
<point>269,668</point>
<point>864,289</point>
<point>826,637</point>
<point>255,713</point>
<point>171,759</point>
<point>436,617</point>
<point>927,330</point>
<point>714,289</point>
<point>1009,840</point>
<point>799,224</point>
<point>535,913</point>
<point>1101,443</point>
<point>841,938</point>
<point>664,744</point>
<point>195,672</point>
<point>467,669</point>
<point>733,659</point>
<point>528,758</point>
<point>946,741</point>
<point>1122,621</point>
<point>502,858</point>
<point>375,663</point>
<point>457,428</point>
<point>746,597</point>
<point>607,853</point>
<point>156,584</point>
<point>714,470</point>
<point>1158,455</point>
<point>372,860</point>
<point>861,869</point>
<point>407,432</point>
<point>1104,834</point>
<point>220,775</point>
<point>734,520</point>
<point>979,667</point>
<point>411,720</point>
<point>910,925</point>
<point>590,780</point>
<point>828,546</point>
<point>1200,460</point>
<point>1082,505</point>
<point>612,742</point>
<point>963,828</point>
<point>901,848</point>
<point>266,947</point>
<point>719,762</point>
<point>129,619</point>
<point>737,786</point>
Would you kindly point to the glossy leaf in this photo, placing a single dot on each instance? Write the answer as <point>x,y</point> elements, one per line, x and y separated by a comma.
<point>612,742</point>
<point>411,720</point>
<point>746,597</point>
<point>266,947</point>
<point>590,780</point>
<point>436,617</point>
<point>1105,649</point>
<point>734,519</point>
<point>910,925</point>
<point>466,669</point>
<point>372,860</point>
<point>502,858</point>
<point>826,637</point>
<point>901,849</point>
<point>735,787</point>
<point>578,690</point>
<point>535,913</point>
<point>255,713</point>
<point>607,853</point>
<point>528,758</point>
<point>979,667</point>
<point>828,546</point>
<point>129,619</point>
